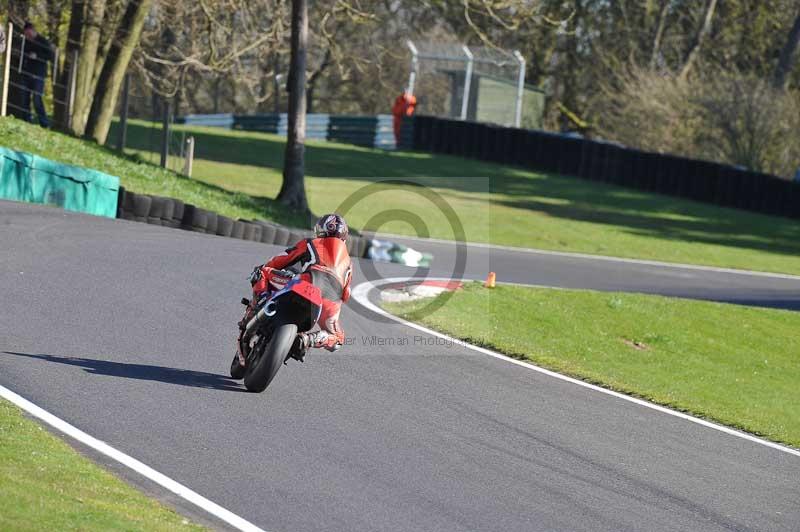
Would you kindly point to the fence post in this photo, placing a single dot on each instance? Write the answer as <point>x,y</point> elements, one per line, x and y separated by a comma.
<point>56,53</point>
<point>165,134</point>
<point>73,77</point>
<point>520,89</point>
<point>123,115</point>
<point>7,70</point>
<point>21,54</point>
<point>276,85</point>
<point>467,83</point>
<point>412,75</point>
<point>187,166</point>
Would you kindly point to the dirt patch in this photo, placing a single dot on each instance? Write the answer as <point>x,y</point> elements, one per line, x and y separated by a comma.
<point>639,346</point>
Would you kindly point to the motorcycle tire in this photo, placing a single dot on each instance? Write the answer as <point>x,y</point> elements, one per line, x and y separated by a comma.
<point>258,376</point>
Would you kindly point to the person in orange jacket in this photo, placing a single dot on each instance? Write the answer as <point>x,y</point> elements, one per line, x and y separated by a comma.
<point>324,262</point>
<point>404,105</point>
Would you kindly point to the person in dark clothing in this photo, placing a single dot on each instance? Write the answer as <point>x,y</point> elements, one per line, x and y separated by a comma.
<point>38,52</point>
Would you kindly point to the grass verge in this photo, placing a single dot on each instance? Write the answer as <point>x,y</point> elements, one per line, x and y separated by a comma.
<point>238,173</point>
<point>47,485</point>
<point>136,174</point>
<point>736,365</point>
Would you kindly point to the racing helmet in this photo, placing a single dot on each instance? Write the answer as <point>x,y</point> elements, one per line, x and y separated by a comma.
<point>331,225</point>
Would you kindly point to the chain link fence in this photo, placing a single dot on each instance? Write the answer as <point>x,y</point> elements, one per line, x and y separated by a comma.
<point>145,125</point>
<point>482,84</point>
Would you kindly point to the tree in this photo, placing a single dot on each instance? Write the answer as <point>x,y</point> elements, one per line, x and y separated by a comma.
<point>55,10</point>
<point>84,89</point>
<point>18,11</point>
<point>694,50</point>
<point>786,60</point>
<point>293,191</point>
<point>74,33</point>
<point>114,68</point>
<point>715,115</point>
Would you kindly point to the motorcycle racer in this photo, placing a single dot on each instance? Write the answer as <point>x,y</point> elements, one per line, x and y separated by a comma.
<point>325,262</point>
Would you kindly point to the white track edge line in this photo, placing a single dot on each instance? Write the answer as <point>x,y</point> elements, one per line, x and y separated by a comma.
<point>360,294</point>
<point>588,256</point>
<point>130,462</point>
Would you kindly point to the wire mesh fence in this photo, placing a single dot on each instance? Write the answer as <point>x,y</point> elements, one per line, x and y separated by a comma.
<point>473,83</point>
<point>150,129</point>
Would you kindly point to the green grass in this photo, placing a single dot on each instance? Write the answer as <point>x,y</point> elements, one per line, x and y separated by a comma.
<point>238,173</point>
<point>46,485</point>
<point>736,365</point>
<point>135,174</point>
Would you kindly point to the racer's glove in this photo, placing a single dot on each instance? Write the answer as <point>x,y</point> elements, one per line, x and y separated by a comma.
<point>256,275</point>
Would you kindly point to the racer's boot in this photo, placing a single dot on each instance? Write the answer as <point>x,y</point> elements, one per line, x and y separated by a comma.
<point>331,342</point>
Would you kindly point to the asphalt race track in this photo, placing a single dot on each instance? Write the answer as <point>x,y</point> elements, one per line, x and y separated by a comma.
<point>126,331</point>
<point>562,270</point>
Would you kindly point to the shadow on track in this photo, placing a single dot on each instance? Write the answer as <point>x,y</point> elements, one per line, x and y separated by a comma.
<point>183,377</point>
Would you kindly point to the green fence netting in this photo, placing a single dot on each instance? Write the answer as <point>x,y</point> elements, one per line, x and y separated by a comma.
<point>27,177</point>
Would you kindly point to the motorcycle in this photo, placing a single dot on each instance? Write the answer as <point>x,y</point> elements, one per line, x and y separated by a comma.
<point>268,334</point>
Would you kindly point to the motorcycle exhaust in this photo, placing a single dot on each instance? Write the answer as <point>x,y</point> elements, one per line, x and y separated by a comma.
<point>268,311</point>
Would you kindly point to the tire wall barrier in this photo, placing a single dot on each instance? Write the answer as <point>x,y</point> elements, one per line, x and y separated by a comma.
<point>34,179</point>
<point>701,181</point>
<point>169,212</point>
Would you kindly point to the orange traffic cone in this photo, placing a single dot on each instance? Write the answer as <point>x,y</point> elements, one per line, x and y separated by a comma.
<point>490,280</point>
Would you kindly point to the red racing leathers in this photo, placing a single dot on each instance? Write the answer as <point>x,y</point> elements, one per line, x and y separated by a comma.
<point>324,262</point>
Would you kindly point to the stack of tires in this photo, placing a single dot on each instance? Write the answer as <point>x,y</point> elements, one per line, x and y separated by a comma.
<point>169,212</point>
<point>154,210</point>
<point>281,236</point>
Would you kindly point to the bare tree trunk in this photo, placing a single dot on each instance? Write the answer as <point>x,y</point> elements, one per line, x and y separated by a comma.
<point>293,191</point>
<point>697,44</point>
<point>313,78</point>
<point>310,99</point>
<point>786,60</point>
<point>55,8</point>
<point>18,11</point>
<point>74,34</point>
<point>95,10</point>
<point>111,77</point>
<point>108,31</point>
<point>662,23</point>
<point>216,94</point>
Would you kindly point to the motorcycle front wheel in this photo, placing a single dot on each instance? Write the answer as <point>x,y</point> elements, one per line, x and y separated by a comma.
<point>258,376</point>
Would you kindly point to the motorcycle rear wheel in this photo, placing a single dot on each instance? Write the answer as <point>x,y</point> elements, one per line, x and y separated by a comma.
<point>258,376</point>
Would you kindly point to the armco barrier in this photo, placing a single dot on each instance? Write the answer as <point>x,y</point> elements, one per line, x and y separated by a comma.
<point>701,181</point>
<point>34,179</point>
<point>371,131</point>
